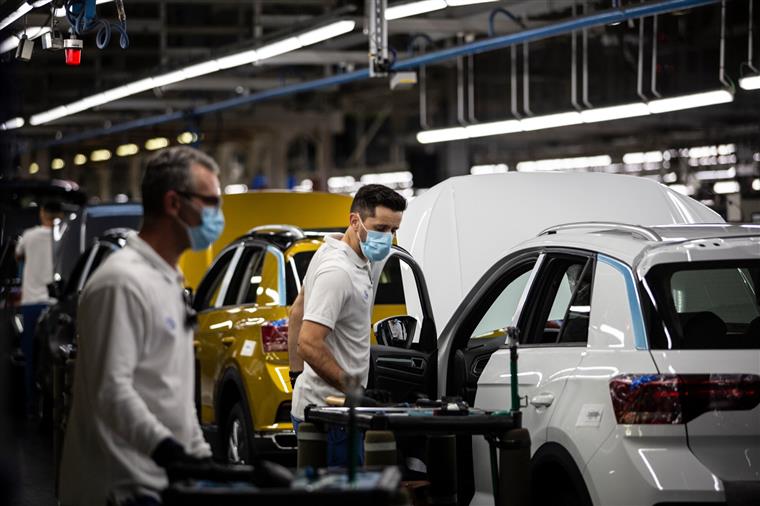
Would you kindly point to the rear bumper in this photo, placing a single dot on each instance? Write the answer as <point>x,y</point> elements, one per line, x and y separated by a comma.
<point>650,466</point>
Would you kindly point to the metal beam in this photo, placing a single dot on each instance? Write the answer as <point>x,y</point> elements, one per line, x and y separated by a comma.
<point>480,46</point>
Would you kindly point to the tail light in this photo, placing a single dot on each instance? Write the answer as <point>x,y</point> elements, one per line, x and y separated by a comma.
<point>680,398</point>
<point>274,337</point>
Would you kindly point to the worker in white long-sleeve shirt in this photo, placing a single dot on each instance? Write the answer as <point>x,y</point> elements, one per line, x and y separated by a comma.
<point>133,412</point>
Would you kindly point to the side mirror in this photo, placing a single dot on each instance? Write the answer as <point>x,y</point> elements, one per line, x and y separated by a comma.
<point>396,331</point>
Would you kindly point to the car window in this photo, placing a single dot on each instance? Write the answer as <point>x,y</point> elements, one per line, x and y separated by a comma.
<point>390,286</point>
<point>499,315</point>
<point>407,291</point>
<point>210,285</point>
<point>246,278</point>
<point>707,305</point>
<point>295,271</point>
<point>267,292</point>
<point>564,302</point>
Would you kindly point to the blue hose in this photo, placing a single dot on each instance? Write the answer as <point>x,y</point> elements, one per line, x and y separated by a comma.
<point>83,19</point>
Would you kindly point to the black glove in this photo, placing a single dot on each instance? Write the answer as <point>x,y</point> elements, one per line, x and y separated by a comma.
<point>170,453</point>
<point>293,377</point>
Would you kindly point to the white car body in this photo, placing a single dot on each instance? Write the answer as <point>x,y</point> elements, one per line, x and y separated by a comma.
<point>631,464</point>
<point>459,230</point>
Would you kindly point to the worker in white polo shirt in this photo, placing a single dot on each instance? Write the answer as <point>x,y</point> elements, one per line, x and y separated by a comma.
<point>133,413</point>
<point>337,298</point>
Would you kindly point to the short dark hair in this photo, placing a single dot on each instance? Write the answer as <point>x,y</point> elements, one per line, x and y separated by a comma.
<point>372,195</point>
<point>169,169</point>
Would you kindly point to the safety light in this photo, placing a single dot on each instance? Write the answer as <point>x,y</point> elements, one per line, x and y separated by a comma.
<point>72,47</point>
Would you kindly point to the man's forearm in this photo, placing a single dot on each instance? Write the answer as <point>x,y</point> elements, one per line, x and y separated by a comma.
<point>319,357</point>
<point>294,329</point>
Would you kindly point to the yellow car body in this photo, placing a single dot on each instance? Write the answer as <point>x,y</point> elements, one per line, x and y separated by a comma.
<point>243,304</point>
<point>243,211</point>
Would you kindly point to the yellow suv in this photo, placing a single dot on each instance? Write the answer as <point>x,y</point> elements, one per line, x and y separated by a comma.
<point>243,301</point>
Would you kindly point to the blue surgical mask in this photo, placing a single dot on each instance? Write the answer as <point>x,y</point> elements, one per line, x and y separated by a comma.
<point>377,246</point>
<point>209,230</point>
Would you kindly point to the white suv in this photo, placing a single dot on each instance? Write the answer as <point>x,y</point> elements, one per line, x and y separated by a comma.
<point>640,346</point>
<point>639,360</point>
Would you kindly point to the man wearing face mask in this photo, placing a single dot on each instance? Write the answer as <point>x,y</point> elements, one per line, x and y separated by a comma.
<point>133,413</point>
<point>337,298</point>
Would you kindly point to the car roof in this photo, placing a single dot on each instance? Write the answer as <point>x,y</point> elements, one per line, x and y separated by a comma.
<point>284,236</point>
<point>631,243</point>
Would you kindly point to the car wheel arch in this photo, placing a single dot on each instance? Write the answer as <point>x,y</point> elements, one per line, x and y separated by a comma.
<point>230,389</point>
<point>553,458</point>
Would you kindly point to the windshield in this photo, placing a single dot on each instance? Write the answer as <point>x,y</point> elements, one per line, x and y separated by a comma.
<point>706,305</point>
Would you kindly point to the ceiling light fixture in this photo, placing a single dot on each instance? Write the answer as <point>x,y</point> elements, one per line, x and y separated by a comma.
<point>156,143</point>
<point>80,159</point>
<point>690,101</point>
<point>575,118</point>
<point>127,150</point>
<point>615,112</point>
<point>34,168</point>
<point>187,137</point>
<point>307,38</point>
<point>750,83</point>
<point>57,164</point>
<point>12,124</point>
<point>100,155</point>
<point>408,9</point>
<point>726,187</point>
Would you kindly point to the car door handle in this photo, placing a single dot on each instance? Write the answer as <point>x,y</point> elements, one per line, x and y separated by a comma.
<point>542,400</point>
<point>228,341</point>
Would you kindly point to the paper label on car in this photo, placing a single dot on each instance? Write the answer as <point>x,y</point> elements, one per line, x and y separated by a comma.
<point>248,347</point>
<point>590,415</point>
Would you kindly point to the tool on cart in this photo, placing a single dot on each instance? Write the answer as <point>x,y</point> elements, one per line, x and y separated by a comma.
<point>441,421</point>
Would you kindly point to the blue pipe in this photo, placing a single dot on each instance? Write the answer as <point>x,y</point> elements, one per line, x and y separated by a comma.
<point>480,46</point>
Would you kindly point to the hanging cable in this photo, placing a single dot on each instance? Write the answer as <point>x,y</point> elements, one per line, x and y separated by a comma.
<point>750,42</point>
<point>83,19</point>
<point>422,72</point>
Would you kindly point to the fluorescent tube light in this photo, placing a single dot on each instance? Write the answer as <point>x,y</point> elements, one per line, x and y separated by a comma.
<point>615,112</point>
<point>187,137</point>
<point>494,128</point>
<point>457,3</point>
<point>750,83</point>
<point>127,150</point>
<point>12,124</point>
<point>327,32</point>
<point>408,9</point>
<point>496,168</point>
<point>34,168</point>
<point>80,159</point>
<point>310,37</point>
<point>711,175</point>
<point>57,164</point>
<point>726,187</point>
<point>551,121</point>
<point>48,116</point>
<point>690,101</point>
<point>156,143</point>
<point>100,155</point>
<point>278,48</point>
<point>12,17</point>
<point>583,162</point>
<point>237,59</point>
<point>639,158</point>
<point>441,135</point>
<point>233,189</point>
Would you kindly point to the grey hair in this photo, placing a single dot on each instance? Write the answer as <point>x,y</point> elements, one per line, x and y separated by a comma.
<point>169,169</point>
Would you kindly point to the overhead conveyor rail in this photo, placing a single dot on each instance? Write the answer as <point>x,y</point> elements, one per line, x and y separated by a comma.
<point>480,46</point>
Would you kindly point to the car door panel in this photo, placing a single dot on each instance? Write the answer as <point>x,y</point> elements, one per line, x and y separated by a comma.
<point>408,373</point>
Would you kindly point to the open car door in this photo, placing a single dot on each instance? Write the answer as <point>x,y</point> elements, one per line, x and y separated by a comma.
<point>404,361</point>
